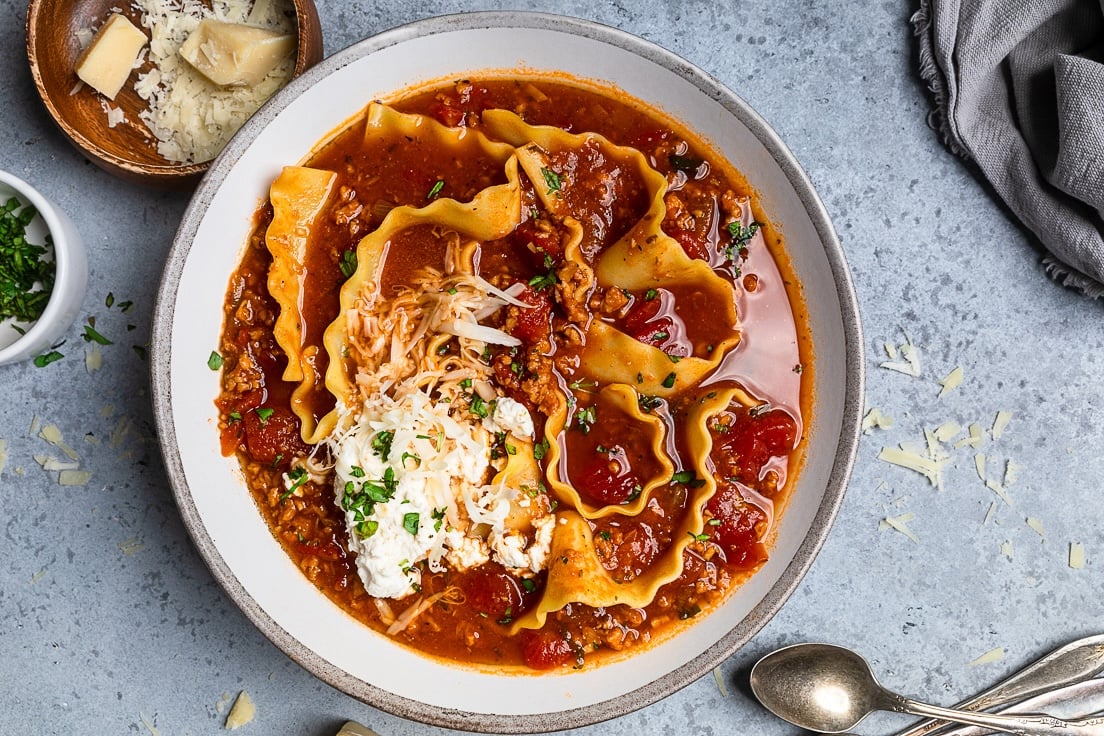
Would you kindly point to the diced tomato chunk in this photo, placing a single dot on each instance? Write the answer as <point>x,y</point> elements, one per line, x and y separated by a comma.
<point>533,323</point>
<point>752,440</point>
<point>543,650</point>
<point>447,112</point>
<point>643,324</point>
<point>540,241</point>
<point>607,480</point>
<point>491,590</point>
<point>273,438</point>
<point>327,550</point>
<point>738,531</point>
<point>692,244</point>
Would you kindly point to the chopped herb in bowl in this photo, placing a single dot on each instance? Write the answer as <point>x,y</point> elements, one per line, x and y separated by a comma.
<point>26,275</point>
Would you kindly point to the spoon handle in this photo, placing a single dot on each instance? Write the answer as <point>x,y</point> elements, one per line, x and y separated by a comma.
<point>1071,701</point>
<point>1079,660</point>
<point>1021,725</point>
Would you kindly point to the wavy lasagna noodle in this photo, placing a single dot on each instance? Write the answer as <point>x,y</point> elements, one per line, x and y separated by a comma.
<point>514,374</point>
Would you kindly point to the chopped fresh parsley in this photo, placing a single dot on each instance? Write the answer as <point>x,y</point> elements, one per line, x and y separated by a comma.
<point>739,237</point>
<point>264,413</point>
<point>669,381</point>
<point>540,449</point>
<point>214,361</point>
<point>436,190</point>
<point>381,443</point>
<point>91,335</point>
<point>26,278</point>
<point>650,295</point>
<point>411,521</point>
<point>552,180</point>
<point>586,417</point>
<point>544,281</point>
<point>478,406</point>
<point>41,361</point>
<point>348,262</point>
<point>648,403</point>
<point>297,476</point>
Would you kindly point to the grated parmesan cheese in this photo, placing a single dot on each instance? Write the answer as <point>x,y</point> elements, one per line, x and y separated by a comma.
<point>1036,525</point>
<point>191,117</point>
<point>899,523</point>
<point>952,381</point>
<point>242,712</point>
<point>875,419</point>
<point>910,366</point>
<point>930,468</point>
<point>1076,555</point>
<point>993,655</point>
<point>1000,423</point>
<point>1006,549</point>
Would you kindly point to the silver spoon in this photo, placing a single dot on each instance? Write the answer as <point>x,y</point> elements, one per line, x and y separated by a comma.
<point>1071,663</point>
<point>829,689</point>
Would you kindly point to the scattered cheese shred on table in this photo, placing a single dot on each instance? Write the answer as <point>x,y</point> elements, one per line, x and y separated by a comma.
<point>952,381</point>
<point>1037,525</point>
<point>1011,473</point>
<point>52,434</point>
<point>149,725</point>
<point>931,469</point>
<point>900,524</point>
<point>74,477</point>
<point>93,358</point>
<point>242,712</point>
<point>977,435</point>
<point>989,514</point>
<point>718,677</point>
<point>996,488</point>
<point>1076,555</point>
<point>993,655</point>
<point>1006,549</point>
<point>3,455</point>
<point>130,546</point>
<point>875,419</point>
<point>910,366</point>
<point>1000,423</point>
<point>947,431</point>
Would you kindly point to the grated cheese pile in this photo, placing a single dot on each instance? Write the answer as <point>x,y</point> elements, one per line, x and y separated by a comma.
<point>423,473</point>
<point>192,118</point>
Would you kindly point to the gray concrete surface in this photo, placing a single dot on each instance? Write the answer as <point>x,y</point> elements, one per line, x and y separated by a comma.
<point>111,624</point>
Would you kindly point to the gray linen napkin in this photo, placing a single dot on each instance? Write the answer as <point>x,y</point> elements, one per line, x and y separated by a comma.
<point>1019,90</point>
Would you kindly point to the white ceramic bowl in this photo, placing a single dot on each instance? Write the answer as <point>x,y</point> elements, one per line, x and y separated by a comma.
<point>218,510</point>
<point>70,280</point>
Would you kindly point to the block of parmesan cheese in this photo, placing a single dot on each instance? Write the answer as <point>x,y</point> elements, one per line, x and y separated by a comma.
<point>233,54</point>
<point>109,58</point>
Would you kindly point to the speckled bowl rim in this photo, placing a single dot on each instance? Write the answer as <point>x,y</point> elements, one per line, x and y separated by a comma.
<point>840,470</point>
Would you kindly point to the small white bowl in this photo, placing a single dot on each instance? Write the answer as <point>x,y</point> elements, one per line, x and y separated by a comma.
<point>70,280</point>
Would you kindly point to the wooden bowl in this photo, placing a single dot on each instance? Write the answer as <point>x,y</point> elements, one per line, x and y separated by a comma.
<point>127,150</point>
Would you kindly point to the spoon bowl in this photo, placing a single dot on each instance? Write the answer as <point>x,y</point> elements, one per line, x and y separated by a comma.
<point>826,688</point>
<point>819,687</point>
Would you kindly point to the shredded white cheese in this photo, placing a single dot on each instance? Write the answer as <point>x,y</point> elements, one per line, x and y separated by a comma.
<point>876,419</point>
<point>1076,555</point>
<point>930,468</point>
<point>993,655</point>
<point>1006,549</point>
<point>952,381</point>
<point>191,117</point>
<point>1000,423</point>
<point>1036,525</point>
<point>242,712</point>
<point>900,524</point>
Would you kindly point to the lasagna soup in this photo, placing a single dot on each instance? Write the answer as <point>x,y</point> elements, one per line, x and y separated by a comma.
<point>516,372</point>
